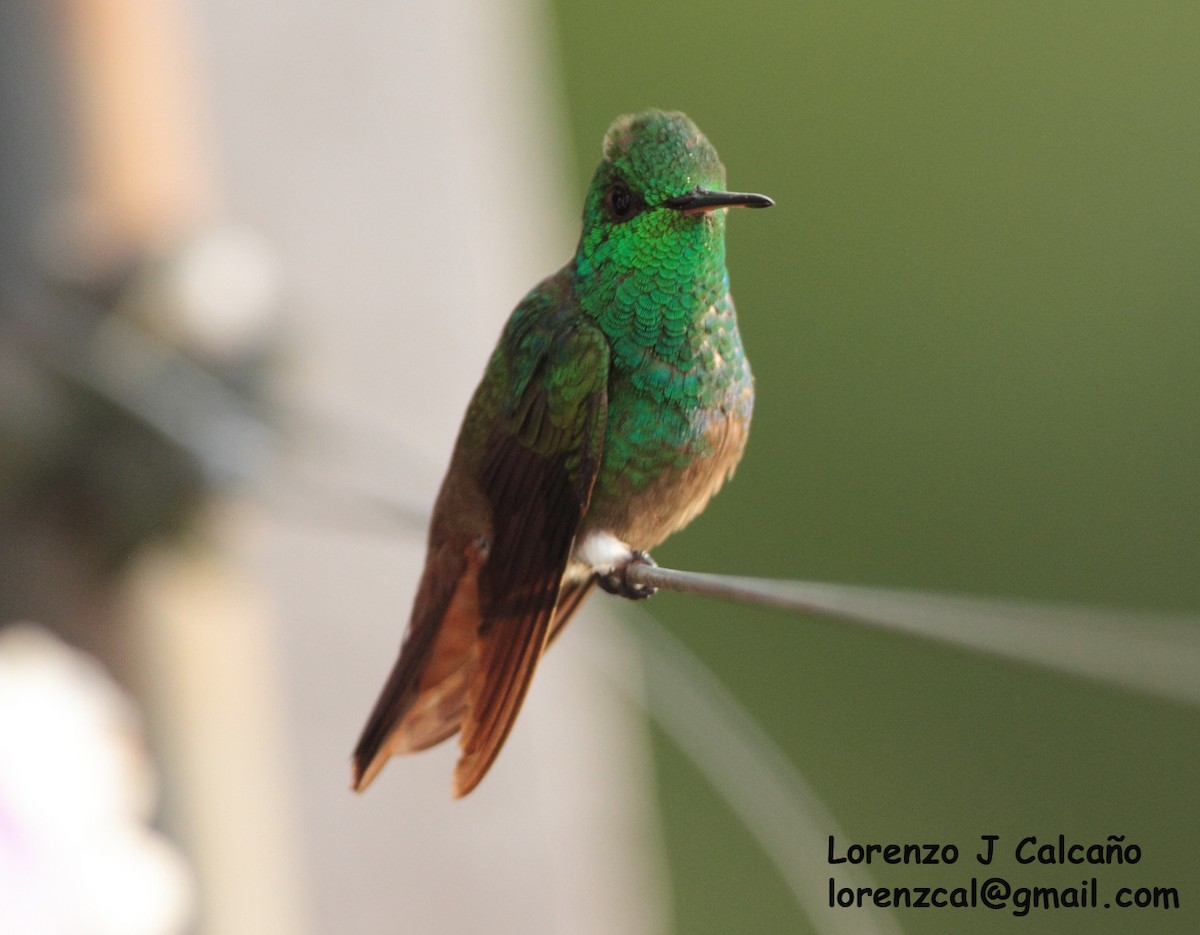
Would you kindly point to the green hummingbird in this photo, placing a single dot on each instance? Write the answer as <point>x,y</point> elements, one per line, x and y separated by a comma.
<point>616,403</point>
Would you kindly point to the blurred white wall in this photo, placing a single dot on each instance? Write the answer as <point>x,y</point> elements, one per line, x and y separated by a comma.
<point>406,162</point>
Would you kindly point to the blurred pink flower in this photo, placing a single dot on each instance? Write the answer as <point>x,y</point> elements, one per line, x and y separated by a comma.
<point>76,792</point>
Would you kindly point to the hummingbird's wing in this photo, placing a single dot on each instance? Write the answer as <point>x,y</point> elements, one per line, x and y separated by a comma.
<point>537,474</point>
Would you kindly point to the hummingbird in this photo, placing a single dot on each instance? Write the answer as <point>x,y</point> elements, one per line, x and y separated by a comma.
<point>616,403</point>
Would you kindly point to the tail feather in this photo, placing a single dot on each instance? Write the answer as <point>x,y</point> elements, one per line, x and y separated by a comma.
<point>494,705</point>
<point>419,705</point>
<point>424,700</point>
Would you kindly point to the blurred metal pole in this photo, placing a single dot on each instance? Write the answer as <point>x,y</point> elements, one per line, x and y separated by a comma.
<point>110,190</point>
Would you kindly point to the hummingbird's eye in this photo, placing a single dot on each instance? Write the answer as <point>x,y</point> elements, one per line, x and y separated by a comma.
<point>621,202</point>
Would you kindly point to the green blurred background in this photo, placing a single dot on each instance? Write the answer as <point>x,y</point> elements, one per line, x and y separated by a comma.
<point>973,319</point>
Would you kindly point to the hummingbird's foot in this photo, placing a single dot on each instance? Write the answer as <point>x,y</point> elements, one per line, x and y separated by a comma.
<point>617,581</point>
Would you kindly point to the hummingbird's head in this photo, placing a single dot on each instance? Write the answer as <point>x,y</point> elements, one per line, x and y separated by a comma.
<point>654,211</point>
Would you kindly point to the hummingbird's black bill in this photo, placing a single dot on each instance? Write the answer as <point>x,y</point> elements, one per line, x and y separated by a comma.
<point>698,200</point>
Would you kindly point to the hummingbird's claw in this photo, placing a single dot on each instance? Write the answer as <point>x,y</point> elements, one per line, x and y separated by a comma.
<point>617,581</point>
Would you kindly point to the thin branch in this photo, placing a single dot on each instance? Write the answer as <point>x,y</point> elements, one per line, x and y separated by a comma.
<point>1155,654</point>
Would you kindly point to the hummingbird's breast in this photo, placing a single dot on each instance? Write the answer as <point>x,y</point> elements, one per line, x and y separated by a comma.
<point>676,430</point>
